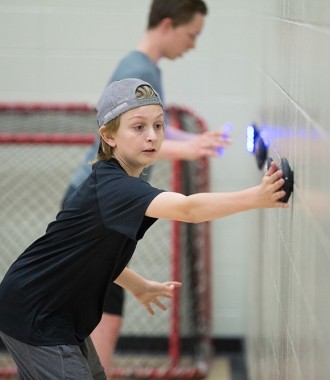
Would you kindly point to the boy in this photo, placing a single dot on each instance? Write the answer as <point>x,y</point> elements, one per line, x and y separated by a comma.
<point>52,296</point>
<point>173,28</point>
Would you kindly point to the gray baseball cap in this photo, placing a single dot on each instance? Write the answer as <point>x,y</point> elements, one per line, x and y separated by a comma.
<point>119,97</point>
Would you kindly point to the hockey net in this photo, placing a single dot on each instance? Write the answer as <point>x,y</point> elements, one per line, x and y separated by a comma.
<point>40,147</point>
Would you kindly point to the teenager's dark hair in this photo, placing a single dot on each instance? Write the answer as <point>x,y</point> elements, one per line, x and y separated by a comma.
<point>180,11</point>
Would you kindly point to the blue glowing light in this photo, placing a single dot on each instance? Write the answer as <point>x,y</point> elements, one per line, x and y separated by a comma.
<point>251,135</point>
<point>256,145</point>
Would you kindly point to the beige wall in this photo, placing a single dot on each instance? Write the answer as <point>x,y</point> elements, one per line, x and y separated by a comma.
<point>289,309</point>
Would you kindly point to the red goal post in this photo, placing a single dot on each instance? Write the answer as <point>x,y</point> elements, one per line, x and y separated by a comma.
<point>40,147</point>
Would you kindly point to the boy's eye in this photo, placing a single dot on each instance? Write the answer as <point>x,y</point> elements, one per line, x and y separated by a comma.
<point>159,126</point>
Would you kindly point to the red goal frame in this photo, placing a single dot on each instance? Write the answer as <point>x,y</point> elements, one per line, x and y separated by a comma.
<point>201,280</point>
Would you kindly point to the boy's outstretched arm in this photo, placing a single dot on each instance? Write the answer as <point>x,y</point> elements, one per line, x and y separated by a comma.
<point>202,207</point>
<point>146,291</point>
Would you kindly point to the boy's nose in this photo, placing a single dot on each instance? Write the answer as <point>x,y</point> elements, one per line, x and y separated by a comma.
<point>151,135</point>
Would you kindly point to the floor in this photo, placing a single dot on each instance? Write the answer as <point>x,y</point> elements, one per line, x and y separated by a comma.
<point>230,367</point>
<point>220,369</point>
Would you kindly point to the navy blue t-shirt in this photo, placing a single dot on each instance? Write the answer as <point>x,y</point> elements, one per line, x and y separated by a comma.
<point>53,293</point>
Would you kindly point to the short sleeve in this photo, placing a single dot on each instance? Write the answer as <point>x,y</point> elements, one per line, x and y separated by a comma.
<point>122,201</point>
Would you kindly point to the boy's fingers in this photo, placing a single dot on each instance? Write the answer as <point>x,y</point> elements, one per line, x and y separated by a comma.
<point>156,302</point>
<point>175,284</point>
<point>150,310</point>
<point>276,175</point>
<point>279,183</point>
<point>159,304</point>
<point>272,169</point>
<point>280,194</point>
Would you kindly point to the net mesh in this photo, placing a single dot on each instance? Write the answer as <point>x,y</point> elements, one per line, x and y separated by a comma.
<point>41,146</point>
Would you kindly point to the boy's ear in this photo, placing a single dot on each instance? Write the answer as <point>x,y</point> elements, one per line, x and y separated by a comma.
<point>107,137</point>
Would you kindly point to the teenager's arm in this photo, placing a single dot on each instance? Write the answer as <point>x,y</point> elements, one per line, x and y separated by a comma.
<point>181,145</point>
<point>201,207</point>
<point>146,291</point>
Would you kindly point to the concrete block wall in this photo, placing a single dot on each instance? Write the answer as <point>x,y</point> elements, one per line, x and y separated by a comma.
<point>289,306</point>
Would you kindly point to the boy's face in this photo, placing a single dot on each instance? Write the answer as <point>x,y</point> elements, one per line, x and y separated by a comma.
<point>137,142</point>
<point>183,38</point>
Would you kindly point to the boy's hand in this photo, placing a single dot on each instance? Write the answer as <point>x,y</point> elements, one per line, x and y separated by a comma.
<point>270,191</point>
<point>153,290</point>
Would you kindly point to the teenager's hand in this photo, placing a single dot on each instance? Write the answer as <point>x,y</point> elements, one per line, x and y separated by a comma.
<point>149,297</point>
<point>194,146</point>
<point>207,144</point>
